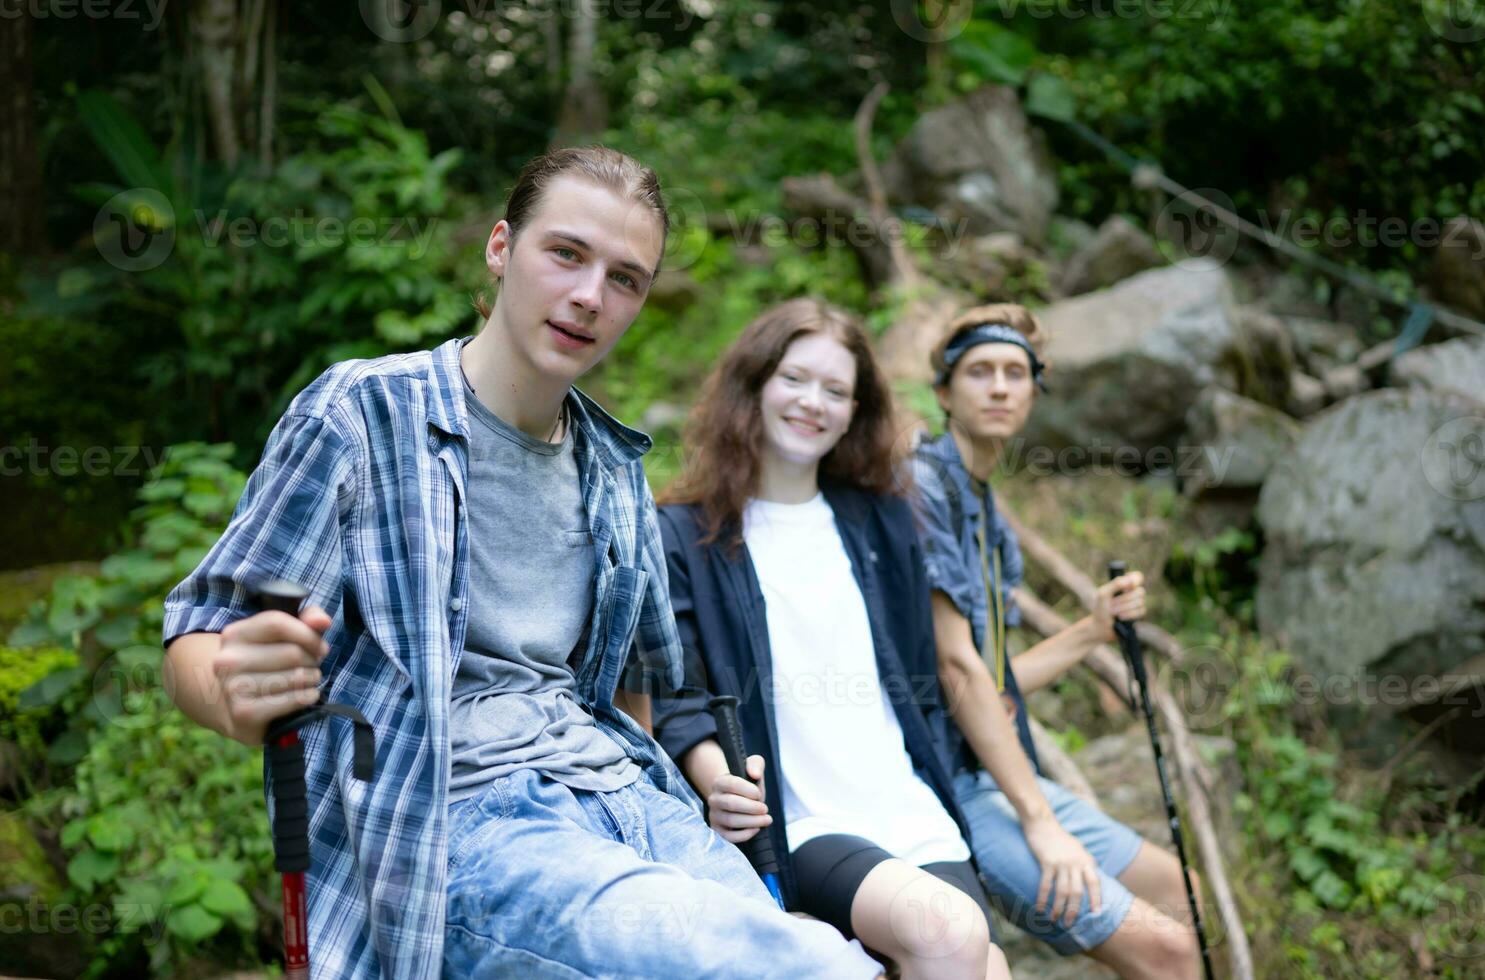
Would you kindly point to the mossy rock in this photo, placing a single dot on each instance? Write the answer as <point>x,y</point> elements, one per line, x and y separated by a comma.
<point>34,895</point>
<point>25,871</point>
<point>19,669</point>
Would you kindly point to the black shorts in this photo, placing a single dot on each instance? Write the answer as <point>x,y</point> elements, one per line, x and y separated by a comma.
<point>830,869</point>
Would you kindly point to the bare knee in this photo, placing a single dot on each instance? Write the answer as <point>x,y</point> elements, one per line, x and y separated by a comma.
<point>1151,946</point>
<point>1176,950</point>
<point>946,936</point>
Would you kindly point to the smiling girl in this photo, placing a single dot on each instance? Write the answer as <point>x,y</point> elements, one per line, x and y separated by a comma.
<point>798,588</point>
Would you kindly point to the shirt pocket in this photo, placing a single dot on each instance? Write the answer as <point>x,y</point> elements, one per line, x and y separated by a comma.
<point>580,538</point>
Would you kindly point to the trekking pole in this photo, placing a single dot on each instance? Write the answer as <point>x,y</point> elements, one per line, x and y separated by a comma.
<point>759,848</point>
<point>290,803</point>
<point>1129,642</point>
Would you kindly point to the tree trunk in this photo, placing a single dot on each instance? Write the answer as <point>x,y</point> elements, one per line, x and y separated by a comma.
<point>20,173</point>
<point>215,27</point>
<point>584,112</point>
<point>268,110</point>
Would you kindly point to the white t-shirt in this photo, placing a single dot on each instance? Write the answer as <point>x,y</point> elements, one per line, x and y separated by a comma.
<point>846,769</point>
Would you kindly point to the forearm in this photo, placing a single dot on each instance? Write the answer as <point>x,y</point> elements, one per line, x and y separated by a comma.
<point>978,710</point>
<point>1054,656</point>
<point>703,764</point>
<point>191,682</point>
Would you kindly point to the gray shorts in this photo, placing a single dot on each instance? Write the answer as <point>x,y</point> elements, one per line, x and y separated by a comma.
<point>1013,875</point>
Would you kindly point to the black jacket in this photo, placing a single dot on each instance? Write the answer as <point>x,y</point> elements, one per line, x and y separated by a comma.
<point>719,611</point>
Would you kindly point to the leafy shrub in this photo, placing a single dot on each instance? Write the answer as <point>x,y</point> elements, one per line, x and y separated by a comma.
<point>1364,873</point>
<point>162,819</point>
<point>165,825</point>
<point>20,669</point>
<point>346,249</point>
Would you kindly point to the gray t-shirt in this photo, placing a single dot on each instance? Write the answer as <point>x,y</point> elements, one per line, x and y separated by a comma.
<point>514,703</point>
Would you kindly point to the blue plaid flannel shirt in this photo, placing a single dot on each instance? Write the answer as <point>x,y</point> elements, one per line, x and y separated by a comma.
<point>359,497</point>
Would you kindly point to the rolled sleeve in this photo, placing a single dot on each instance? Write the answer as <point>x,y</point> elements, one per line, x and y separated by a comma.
<point>286,526</point>
<point>943,561</point>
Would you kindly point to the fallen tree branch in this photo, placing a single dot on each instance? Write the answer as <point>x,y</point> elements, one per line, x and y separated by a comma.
<point>904,273</point>
<point>1071,578</point>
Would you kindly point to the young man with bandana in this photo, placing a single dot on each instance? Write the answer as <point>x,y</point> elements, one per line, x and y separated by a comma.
<point>1057,867</point>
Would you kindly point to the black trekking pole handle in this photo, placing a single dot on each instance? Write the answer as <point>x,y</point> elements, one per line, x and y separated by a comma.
<point>286,755</point>
<point>1129,643</point>
<point>759,848</point>
<point>290,799</point>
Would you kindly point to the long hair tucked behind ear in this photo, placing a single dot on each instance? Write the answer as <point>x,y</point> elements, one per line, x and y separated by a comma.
<point>725,433</point>
<point>601,165</point>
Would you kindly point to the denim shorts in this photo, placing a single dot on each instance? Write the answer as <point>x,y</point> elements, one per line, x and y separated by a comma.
<point>1013,875</point>
<point>549,881</point>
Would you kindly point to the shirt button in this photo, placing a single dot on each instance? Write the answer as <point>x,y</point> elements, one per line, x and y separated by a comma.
<point>456,604</point>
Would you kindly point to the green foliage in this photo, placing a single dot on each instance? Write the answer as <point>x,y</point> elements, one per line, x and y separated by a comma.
<point>176,885</point>
<point>346,249</point>
<point>20,670</point>
<point>1218,571</point>
<point>112,620</point>
<point>1293,108</point>
<point>1358,870</point>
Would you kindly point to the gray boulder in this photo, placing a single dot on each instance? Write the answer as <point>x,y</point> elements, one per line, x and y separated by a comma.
<point>1127,363</point>
<point>1322,345</point>
<point>1306,395</point>
<point>1455,365</point>
<point>1117,251</point>
<point>1374,560</point>
<point>979,165</point>
<point>1239,440</point>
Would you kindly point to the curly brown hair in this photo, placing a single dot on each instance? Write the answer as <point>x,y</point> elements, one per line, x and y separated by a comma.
<point>725,430</point>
